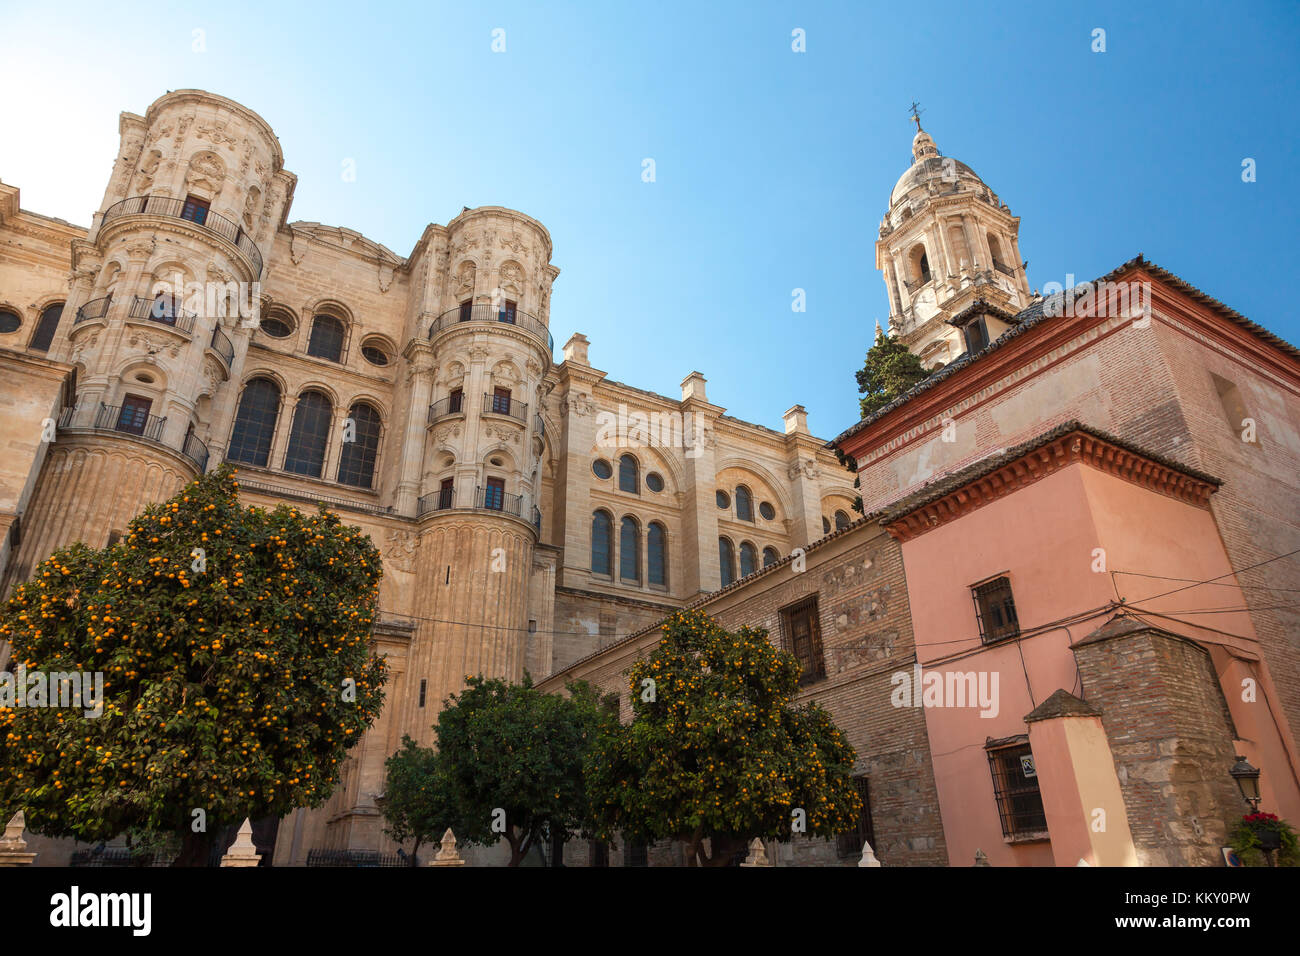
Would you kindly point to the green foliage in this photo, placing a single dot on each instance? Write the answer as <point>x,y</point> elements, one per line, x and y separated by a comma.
<point>719,751</point>
<point>890,370</point>
<point>501,747</point>
<point>1246,840</point>
<point>417,799</point>
<point>224,688</point>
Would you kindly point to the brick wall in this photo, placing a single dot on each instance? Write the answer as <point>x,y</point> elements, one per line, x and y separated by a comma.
<point>1171,737</point>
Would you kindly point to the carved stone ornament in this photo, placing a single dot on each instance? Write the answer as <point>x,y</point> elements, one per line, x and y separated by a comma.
<point>298,247</point>
<point>385,276</point>
<point>400,553</point>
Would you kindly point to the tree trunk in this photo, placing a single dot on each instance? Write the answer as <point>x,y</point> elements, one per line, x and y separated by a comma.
<point>195,849</point>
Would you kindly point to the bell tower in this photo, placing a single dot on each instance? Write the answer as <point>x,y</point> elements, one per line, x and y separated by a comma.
<point>947,244</point>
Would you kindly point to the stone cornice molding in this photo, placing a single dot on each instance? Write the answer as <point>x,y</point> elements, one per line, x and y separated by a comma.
<point>925,511</point>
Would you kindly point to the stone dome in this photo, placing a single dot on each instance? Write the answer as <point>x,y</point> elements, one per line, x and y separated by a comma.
<point>928,165</point>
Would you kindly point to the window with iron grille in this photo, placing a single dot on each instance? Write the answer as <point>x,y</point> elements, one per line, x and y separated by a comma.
<point>1015,784</point>
<point>995,609</point>
<point>849,843</point>
<point>803,638</point>
<point>357,461</point>
<point>326,340</point>
<point>636,854</point>
<point>259,406</point>
<point>309,435</point>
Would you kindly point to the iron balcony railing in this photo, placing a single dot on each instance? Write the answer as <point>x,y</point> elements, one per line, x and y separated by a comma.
<point>505,405</point>
<point>540,425</point>
<point>485,499</point>
<point>222,346</point>
<point>1004,268</point>
<point>94,309</point>
<point>179,209</point>
<point>196,451</point>
<point>164,312</point>
<point>131,420</point>
<point>914,286</point>
<point>440,500</point>
<point>452,405</point>
<point>314,498</point>
<point>491,313</point>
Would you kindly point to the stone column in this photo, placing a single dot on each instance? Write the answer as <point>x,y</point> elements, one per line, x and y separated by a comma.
<point>802,470</point>
<point>410,440</point>
<point>700,567</point>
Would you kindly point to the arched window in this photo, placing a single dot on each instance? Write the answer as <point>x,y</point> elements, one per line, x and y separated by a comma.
<point>727,560</point>
<point>657,548</point>
<point>250,439</point>
<point>744,504</point>
<point>601,534</point>
<point>629,550</point>
<point>841,521</point>
<point>326,339</point>
<point>826,525</point>
<point>770,556</point>
<point>748,559</point>
<point>309,435</point>
<point>357,463</point>
<point>995,250</point>
<point>46,327</point>
<point>628,474</point>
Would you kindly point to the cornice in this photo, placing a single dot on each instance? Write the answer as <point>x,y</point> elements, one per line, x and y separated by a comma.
<point>1070,444</point>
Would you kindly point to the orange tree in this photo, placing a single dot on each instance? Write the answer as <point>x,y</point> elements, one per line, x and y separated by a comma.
<point>233,644</point>
<point>715,749</point>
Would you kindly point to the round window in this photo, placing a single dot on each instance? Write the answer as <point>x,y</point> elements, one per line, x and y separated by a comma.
<point>602,469</point>
<point>276,328</point>
<point>723,499</point>
<point>654,481</point>
<point>767,511</point>
<point>373,355</point>
<point>9,321</point>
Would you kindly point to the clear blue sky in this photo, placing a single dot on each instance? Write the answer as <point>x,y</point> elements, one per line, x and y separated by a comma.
<point>773,168</point>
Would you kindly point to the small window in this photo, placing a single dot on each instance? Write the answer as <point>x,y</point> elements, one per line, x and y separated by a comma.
<point>850,843</point>
<point>326,338</point>
<point>195,209</point>
<point>654,481</point>
<point>456,401</point>
<point>770,557</point>
<point>767,511</point>
<point>744,504</point>
<point>45,328</point>
<point>841,520</point>
<point>466,310</point>
<point>424,685</point>
<point>1015,785</point>
<point>995,610</point>
<point>446,492</point>
<point>803,638</point>
<point>656,552</point>
<point>501,401</point>
<point>748,559</point>
<point>494,496</point>
<point>9,321</point>
<point>723,500</point>
<point>507,312</point>
<point>977,335</point>
<point>602,469</point>
<point>276,327</point>
<point>601,535</point>
<point>1234,407</point>
<point>727,560</point>
<point>134,415</point>
<point>826,525</point>
<point>629,550</point>
<point>628,475</point>
<point>374,355</point>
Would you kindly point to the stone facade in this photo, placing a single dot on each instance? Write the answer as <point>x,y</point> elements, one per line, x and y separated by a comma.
<point>417,395</point>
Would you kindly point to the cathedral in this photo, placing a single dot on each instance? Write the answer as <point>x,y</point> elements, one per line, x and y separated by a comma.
<point>535,515</point>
